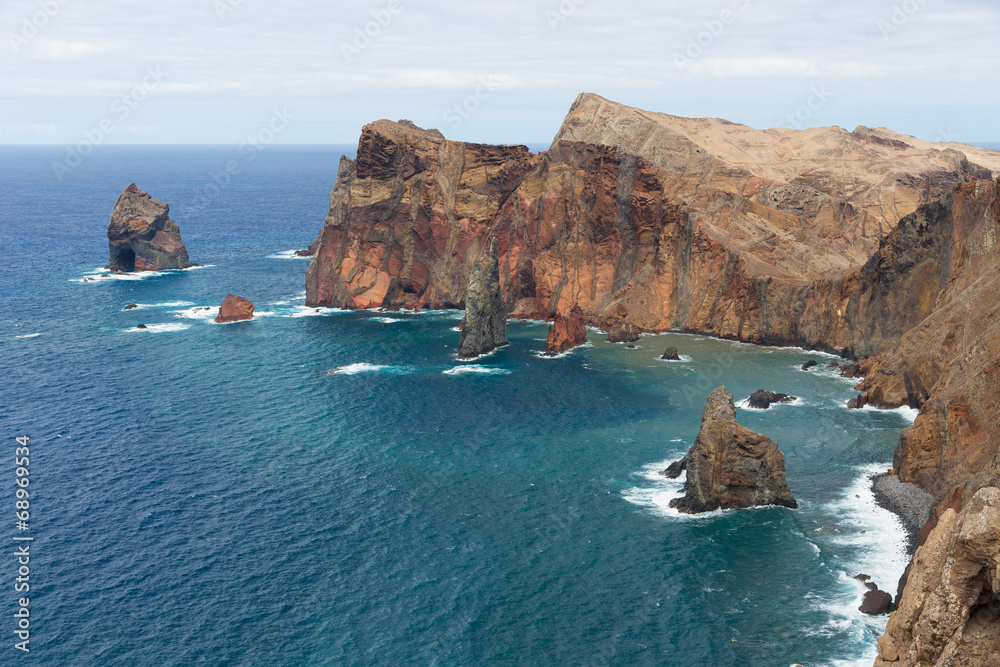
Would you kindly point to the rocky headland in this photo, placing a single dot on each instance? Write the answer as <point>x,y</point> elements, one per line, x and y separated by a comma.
<point>867,243</point>
<point>142,237</point>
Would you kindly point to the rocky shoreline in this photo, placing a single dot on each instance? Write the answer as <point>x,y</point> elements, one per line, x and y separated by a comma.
<point>907,501</point>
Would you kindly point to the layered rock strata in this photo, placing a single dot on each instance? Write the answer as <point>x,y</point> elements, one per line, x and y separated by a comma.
<point>142,237</point>
<point>730,466</point>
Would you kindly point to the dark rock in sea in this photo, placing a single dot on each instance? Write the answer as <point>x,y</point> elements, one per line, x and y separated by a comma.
<point>631,347</point>
<point>858,402</point>
<point>566,333</point>
<point>141,236</point>
<point>671,354</point>
<point>730,466</point>
<point>485,325</point>
<point>624,332</point>
<point>809,364</point>
<point>762,400</point>
<point>875,602</point>
<point>141,326</point>
<point>131,306</point>
<point>675,469</point>
<point>234,309</point>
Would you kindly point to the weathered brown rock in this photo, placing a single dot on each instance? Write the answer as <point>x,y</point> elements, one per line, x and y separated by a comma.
<point>623,332</point>
<point>566,333</point>
<point>234,309</point>
<point>485,325</point>
<point>949,613</point>
<point>131,306</point>
<point>730,466</point>
<point>858,402</point>
<point>142,237</point>
<point>670,354</point>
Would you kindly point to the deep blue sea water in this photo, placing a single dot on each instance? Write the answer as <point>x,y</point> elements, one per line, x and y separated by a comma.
<point>210,494</point>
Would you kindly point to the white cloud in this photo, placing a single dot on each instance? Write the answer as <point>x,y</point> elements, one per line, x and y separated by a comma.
<point>222,75</point>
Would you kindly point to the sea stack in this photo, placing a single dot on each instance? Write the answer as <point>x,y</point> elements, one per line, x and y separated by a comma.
<point>730,466</point>
<point>566,333</point>
<point>142,237</point>
<point>485,326</point>
<point>234,309</point>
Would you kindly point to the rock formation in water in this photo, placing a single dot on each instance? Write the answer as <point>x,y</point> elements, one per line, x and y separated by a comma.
<point>670,354</point>
<point>623,332</point>
<point>877,245</point>
<point>141,236</point>
<point>875,601</point>
<point>485,325</point>
<point>809,364</point>
<point>234,309</point>
<point>762,400</point>
<point>730,466</point>
<point>949,613</point>
<point>566,333</point>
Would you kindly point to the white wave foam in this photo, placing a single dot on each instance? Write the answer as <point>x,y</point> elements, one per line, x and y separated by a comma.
<point>203,313</point>
<point>876,541</point>
<point>386,320</point>
<point>486,370</point>
<point>659,491</point>
<point>542,355</point>
<point>483,355</point>
<point>683,359</point>
<point>288,254</point>
<point>102,274</point>
<point>27,336</point>
<point>363,367</point>
<point>162,304</point>
<point>160,328</point>
<point>745,404</point>
<point>306,311</point>
<point>906,412</point>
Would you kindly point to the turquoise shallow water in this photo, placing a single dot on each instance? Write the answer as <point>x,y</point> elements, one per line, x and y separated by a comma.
<point>210,494</point>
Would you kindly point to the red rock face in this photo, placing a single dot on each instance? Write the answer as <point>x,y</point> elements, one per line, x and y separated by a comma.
<point>566,332</point>
<point>234,309</point>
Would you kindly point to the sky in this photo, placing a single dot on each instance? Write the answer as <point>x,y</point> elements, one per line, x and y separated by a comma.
<point>502,71</point>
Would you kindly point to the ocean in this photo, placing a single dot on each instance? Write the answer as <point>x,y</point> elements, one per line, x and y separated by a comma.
<point>210,494</point>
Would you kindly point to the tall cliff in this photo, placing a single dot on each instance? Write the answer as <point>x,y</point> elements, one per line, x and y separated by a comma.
<point>870,243</point>
<point>671,223</point>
